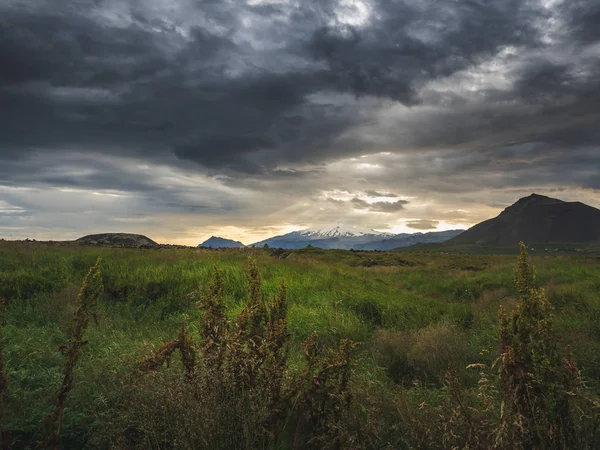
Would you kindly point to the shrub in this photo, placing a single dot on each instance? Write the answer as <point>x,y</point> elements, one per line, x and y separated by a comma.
<point>237,390</point>
<point>536,387</point>
<point>325,398</point>
<point>535,382</point>
<point>541,403</point>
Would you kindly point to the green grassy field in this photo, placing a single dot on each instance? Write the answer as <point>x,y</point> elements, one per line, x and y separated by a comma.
<point>411,314</point>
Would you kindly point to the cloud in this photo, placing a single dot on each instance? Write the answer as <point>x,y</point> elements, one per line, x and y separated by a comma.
<point>382,207</point>
<point>242,112</point>
<point>422,224</point>
<point>374,194</point>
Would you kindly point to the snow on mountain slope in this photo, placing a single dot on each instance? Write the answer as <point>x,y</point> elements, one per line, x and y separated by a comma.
<point>337,231</point>
<point>340,237</point>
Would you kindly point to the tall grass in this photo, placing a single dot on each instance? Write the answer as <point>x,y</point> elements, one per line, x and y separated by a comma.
<point>194,349</point>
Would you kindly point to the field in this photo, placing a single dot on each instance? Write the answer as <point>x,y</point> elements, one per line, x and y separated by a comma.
<point>421,374</point>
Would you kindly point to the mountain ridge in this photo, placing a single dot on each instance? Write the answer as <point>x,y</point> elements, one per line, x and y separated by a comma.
<point>408,239</point>
<point>352,238</point>
<point>536,219</point>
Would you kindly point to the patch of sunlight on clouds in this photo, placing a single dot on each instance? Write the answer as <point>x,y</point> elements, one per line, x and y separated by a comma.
<point>355,13</point>
<point>107,194</point>
<point>368,166</point>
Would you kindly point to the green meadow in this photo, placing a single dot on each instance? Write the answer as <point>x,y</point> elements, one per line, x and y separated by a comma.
<point>422,373</point>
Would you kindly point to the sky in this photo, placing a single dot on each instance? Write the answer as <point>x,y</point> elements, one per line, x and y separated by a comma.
<point>183,119</point>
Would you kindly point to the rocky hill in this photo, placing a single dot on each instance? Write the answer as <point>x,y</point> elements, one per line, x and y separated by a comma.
<point>118,240</point>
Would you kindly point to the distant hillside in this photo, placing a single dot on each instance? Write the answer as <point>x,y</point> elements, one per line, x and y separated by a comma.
<point>117,240</point>
<point>406,239</point>
<point>218,242</point>
<point>536,219</point>
<point>346,238</point>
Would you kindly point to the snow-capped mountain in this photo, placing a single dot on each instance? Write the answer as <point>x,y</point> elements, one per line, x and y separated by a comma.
<point>340,237</point>
<point>337,231</point>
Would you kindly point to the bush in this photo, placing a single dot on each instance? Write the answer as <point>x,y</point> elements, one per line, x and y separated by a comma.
<point>237,390</point>
<point>542,404</point>
<point>535,381</point>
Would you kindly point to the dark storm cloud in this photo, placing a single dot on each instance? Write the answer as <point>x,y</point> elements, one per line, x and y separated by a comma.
<point>383,207</point>
<point>448,173</point>
<point>274,91</point>
<point>410,42</point>
<point>582,18</point>
<point>378,207</point>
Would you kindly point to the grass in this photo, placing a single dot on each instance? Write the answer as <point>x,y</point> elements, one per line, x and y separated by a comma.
<point>410,313</point>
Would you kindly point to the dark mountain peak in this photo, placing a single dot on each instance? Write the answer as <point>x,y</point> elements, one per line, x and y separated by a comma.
<point>538,196</point>
<point>537,219</point>
<point>533,200</point>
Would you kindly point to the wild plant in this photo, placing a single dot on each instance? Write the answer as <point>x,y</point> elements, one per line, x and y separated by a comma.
<point>85,309</point>
<point>214,323</point>
<point>325,398</point>
<point>536,382</point>
<point>183,343</point>
<point>241,381</point>
<point>542,405</point>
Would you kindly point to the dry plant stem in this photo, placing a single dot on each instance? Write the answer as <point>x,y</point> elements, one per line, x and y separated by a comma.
<point>87,299</point>
<point>184,343</point>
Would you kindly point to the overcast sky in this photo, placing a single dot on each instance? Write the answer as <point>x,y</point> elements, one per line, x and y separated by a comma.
<point>182,119</point>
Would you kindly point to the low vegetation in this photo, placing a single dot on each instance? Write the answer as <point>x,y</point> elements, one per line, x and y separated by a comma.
<point>258,348</point>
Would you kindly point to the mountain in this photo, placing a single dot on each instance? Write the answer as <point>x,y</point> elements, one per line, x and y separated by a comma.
<point>536,219</point>
<point>218,242</point>
<point>324,237</point>
<point>407,239</point>
<point>117,240</point>
<point>338,232</point>
<point>337,237</point>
